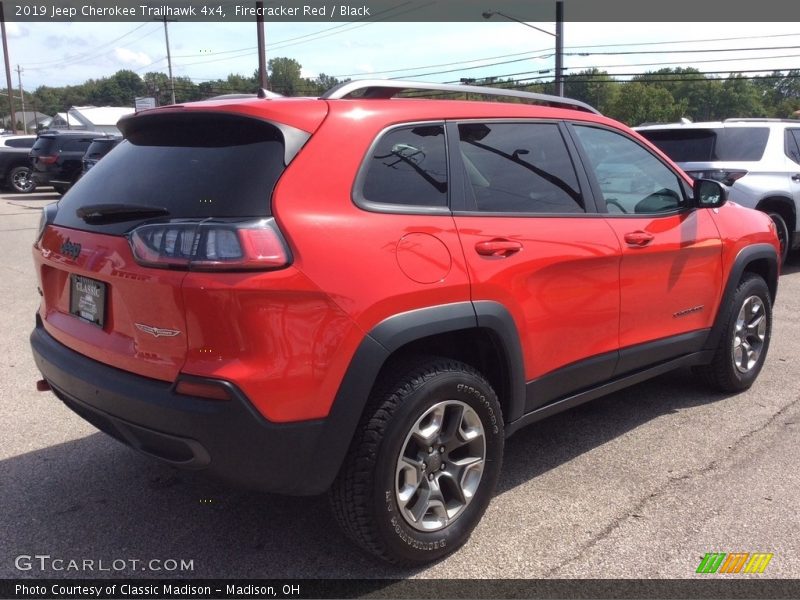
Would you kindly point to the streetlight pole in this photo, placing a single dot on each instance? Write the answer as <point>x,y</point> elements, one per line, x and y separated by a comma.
<point>558,35</point>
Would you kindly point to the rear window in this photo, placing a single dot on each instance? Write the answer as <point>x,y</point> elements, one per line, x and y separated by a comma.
<point>43,145</point>
<point>100,148</point>
<point>713,144</point>
<point>192,165</point>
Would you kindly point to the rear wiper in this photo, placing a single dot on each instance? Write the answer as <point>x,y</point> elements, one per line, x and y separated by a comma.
<point>115,213</point>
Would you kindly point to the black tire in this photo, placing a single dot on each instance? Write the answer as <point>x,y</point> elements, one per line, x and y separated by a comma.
<point>730,371</point>
<point>783,234</point>
<point>61,189</point>
<point>20,180</point>
<point>364,497</point>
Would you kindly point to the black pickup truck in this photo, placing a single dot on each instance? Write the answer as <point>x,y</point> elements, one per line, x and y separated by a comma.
<point>15,170</point>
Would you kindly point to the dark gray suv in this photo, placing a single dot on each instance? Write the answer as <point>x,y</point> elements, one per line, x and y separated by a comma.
<point>57,157</point>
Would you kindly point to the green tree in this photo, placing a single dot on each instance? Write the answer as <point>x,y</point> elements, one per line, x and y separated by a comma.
<point>285,77</point>
<point>639,103</point>
<point>740,98</point>
<point>592,86</point>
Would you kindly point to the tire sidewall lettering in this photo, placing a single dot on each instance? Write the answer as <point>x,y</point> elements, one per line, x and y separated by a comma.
<point>450,386</point>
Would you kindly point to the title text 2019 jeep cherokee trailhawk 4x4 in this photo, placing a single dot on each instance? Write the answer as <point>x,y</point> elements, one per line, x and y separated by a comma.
<point>369,294</point>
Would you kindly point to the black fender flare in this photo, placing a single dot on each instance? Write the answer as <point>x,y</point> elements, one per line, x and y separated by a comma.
<point>392,334</point>
<point>746,256</point>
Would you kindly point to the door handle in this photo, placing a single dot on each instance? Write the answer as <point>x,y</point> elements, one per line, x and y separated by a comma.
<point>498,248</point>
<point>796,177</point>
<point>638,238</point>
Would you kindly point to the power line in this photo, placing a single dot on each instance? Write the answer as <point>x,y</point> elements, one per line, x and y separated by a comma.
<point>690,51</point>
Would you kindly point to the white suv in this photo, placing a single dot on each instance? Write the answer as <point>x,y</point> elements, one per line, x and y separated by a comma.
<point>758,158</point>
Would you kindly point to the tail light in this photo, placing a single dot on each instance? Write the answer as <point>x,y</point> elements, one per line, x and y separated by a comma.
<point>47,217</point>
<point>726,176</point>
<point>48,159</point>
<point>210,245</point>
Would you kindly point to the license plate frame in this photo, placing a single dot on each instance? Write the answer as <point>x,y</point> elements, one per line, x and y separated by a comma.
<point>87,299</point>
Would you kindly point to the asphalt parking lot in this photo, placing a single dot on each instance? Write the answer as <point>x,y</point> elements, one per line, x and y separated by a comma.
<point>640,484</point>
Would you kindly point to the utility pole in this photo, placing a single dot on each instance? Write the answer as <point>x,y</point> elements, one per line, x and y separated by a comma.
<point>559,48</point>
<point>8,70</point>
<point>169,61</point>
<point>558,35</point>
<point>22,98</point>
<point>262,48</point>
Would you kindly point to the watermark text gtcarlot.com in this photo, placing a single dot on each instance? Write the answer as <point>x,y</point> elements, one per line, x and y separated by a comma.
<point>47,563</point>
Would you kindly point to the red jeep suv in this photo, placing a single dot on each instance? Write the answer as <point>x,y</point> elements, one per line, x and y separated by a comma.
<point>367,292</point>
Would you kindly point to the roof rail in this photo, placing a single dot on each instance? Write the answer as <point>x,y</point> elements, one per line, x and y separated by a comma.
<point>388,88</point>
<point>760,120</point>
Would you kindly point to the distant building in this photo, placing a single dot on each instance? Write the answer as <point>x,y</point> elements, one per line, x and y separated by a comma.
<point>91,118</point>
<point>30,118</point>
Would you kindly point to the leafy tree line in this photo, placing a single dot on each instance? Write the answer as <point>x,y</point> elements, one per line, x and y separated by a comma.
<point>121,88</point>
<point>657,96</point>
<point>670,94</point>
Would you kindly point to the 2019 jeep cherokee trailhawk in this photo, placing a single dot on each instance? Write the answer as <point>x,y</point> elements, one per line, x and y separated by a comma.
<point>368,295</point>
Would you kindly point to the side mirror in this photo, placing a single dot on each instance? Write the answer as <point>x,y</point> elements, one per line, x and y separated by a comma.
<point>709,193</point>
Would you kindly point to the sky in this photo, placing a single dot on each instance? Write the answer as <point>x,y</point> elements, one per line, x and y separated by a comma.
<point>57,54</point>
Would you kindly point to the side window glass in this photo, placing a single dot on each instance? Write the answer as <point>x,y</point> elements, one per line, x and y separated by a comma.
<point>793,144</point>
<point>20,143</point>
<point>632,180</point>
<point>408,167</point>
<point>518,168</point>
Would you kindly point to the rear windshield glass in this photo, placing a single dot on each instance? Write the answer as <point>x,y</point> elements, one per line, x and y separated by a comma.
<point>99,148</point>
<point>42,145</point>
<point>192,165</point>
<point>704,145</point>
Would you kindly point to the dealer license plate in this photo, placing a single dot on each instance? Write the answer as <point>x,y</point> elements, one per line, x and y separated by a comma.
<point>87,299</point>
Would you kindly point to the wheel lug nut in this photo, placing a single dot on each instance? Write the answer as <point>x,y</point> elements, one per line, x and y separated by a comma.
<point>430,477</point>
<point>424,467</point>
<point>430,449</point>
<point>443,466</point>
<point>441,449</point>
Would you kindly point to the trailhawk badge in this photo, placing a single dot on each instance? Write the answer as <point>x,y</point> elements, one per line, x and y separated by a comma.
<point>156,331</point>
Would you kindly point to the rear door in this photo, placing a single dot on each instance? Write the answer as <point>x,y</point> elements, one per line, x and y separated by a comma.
<point>671,271</point>
<point>534,243</point>
<point>184,168</point>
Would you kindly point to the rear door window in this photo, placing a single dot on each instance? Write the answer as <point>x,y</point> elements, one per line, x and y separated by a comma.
<point>518,168</point>
<point>192,165</point>
<point>793,144</point>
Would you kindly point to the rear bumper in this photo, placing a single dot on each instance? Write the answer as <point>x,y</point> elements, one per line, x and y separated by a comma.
<point>228,439</point>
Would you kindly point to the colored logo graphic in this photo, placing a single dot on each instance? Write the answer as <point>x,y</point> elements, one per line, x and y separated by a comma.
<point>734,562</point>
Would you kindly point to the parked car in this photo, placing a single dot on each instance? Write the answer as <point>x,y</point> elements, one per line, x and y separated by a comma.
<point>97,150</point>
<point>759,159</point>
<point>400,285</point>
<point>56,157</point>
<point>15,172</point>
